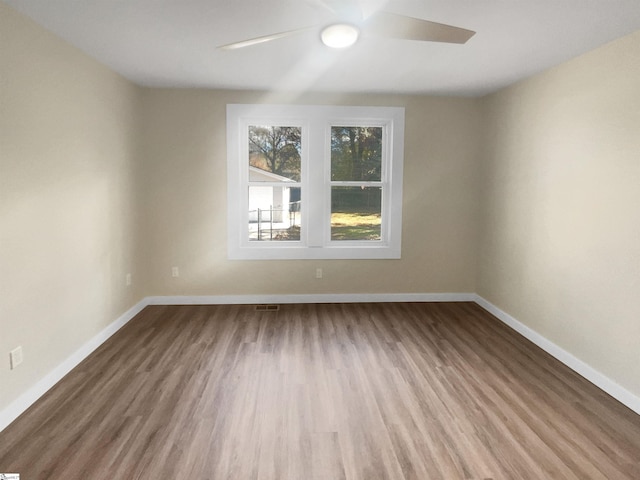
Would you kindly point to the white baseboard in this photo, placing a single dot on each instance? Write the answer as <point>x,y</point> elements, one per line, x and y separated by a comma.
<point>24,401</point>
<point>311,298</point>
<point>601,381</point>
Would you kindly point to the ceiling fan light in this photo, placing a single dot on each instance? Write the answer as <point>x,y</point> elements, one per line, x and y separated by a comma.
<point>339,35</point>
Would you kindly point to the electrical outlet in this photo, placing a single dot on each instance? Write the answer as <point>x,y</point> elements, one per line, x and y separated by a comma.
<point>318,273</point>
<point>15,357</point>
<point>127,279</point>
<point>175,272</point>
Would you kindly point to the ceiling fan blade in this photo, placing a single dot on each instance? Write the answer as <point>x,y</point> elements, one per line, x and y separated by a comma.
<point>266,38</point>
<point>392,25</point>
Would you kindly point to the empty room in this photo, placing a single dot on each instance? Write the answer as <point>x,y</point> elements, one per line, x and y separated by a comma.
<point>319,239</point>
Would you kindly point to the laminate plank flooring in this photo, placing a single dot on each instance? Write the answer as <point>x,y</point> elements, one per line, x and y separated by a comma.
<point>322,392</point>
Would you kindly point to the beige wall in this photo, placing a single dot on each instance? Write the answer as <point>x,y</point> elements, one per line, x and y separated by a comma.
<point>560,248</point>
<point>184,191</point>
<point>67,127</point>
<point>531,197</point>
<point>99,178</point>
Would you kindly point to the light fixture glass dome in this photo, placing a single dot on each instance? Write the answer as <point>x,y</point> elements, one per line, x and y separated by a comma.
<point>339,35</point>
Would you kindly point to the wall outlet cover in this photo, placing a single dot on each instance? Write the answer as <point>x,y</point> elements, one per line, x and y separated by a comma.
<point>15,357</point>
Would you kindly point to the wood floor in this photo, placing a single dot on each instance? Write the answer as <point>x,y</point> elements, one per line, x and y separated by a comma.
<point>344,391</point>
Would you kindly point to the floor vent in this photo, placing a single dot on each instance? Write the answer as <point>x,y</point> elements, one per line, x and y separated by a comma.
<point>267,308</point>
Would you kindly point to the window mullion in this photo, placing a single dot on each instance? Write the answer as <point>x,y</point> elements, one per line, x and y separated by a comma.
<point>314,200</point>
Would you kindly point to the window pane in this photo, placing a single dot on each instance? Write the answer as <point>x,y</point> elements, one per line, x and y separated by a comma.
<point>274,213</point>
<point>274,153</point>
<point>356,213</point>
<point>356,153</point>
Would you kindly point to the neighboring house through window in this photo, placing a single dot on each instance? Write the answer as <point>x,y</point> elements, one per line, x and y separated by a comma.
<point>314,181</point>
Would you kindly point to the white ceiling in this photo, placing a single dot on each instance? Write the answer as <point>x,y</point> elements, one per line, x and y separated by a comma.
<point>173,42</point>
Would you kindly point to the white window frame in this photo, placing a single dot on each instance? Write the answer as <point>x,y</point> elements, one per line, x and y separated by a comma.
<point>315,122</point>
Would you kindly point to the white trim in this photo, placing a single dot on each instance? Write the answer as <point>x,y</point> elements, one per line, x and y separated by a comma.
<point>24,401</point>
<point>600,380</point>
<point>315,122</point>
<point>28,398</point>
<point>311,298</point>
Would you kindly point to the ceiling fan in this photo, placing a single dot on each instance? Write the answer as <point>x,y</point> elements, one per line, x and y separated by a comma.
<point>351,22</point>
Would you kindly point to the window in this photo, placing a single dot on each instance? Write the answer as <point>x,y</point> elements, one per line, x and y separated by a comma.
<point>314,182</point>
